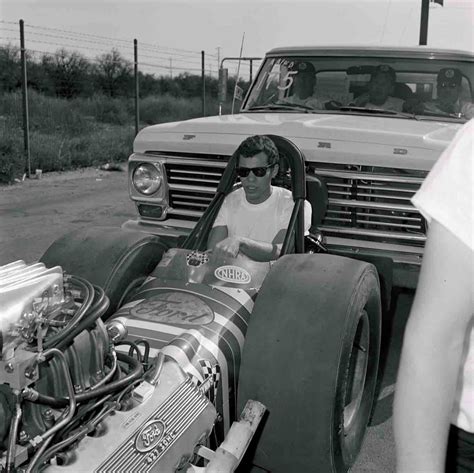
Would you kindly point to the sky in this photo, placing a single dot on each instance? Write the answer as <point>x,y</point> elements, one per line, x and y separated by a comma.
<point>172,33</point>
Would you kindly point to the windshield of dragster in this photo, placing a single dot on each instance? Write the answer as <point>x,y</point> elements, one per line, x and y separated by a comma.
<point>424,88</point>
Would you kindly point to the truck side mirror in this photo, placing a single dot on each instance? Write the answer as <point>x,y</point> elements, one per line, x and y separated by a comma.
<point>223,76</point>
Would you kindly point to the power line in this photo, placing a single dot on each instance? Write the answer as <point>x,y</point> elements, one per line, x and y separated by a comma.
<point>385,21</point>
<point>69,38</point>
<point>89,35</point>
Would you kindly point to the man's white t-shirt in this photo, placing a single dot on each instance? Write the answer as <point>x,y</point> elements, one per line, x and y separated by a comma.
<point>259,222</point>
<point>447,196</point>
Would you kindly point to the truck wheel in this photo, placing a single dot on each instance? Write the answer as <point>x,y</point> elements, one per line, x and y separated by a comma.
<point>117,260</point>
<point>311,356</point>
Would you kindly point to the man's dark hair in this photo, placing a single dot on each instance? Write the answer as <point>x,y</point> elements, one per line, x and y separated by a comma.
<point>256,144</point>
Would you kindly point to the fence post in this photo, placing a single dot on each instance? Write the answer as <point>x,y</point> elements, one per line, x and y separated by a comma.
<point>26,124</point>
<point>203,85</point>
<point>137,91</point>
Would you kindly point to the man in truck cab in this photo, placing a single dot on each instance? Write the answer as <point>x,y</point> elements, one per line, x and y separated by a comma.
<point>303,88</point>
<point>449,87</point>
<point>253,219</point>
<point>380,89</point>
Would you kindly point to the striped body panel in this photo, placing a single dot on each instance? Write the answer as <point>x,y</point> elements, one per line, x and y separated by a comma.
<point>193,322</point>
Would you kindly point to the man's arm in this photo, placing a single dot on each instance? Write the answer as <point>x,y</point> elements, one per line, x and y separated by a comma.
<point>432,353</point>
<point>216,235</point>
<point>254,249</point>
<point>260,250</point>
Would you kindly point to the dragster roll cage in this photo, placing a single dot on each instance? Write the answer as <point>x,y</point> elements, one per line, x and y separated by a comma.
<point>197,239</point>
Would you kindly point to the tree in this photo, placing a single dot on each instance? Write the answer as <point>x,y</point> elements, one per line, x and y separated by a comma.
<point>114,74</point>
<point>69,72</point>
<point>10,70</point>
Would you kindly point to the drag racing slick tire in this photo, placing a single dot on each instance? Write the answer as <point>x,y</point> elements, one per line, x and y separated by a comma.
<point>117,260</point>
<point>311,357</point>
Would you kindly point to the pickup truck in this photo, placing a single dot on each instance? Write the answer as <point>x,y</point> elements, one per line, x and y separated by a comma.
<point>368,161</point>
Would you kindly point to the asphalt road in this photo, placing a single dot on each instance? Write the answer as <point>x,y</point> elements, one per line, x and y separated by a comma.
<point>36,212</point>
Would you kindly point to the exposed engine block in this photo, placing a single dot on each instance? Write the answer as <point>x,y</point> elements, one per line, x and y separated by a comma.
<point>71,398</point>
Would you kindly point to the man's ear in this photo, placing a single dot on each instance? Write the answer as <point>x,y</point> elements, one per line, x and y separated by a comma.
<point>275,170</point>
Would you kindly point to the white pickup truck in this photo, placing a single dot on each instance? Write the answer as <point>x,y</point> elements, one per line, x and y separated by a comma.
<point>367,162</point>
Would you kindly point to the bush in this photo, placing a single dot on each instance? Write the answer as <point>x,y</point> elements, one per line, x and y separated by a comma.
<point>104,109</point>
<point>71,133</point>
<point>167,108</point>
<point>12,156</point>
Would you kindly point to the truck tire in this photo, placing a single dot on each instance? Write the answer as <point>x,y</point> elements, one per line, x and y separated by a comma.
<point>311,357</point>
<point>117,260</point>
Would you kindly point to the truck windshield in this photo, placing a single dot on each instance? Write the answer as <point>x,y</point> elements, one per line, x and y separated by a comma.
<point>423,87</point>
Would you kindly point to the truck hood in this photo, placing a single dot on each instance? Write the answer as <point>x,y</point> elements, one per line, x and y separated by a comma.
<point>328,138</point>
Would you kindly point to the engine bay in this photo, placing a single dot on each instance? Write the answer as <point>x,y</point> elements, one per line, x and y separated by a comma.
<point>75,394</point>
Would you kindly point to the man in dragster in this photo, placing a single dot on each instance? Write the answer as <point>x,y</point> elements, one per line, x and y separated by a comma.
<point>253,219</point>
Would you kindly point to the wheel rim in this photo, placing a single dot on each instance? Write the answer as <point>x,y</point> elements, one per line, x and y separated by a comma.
<point>356,371</point>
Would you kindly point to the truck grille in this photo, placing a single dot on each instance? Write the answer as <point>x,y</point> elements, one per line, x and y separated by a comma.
<point>365,203</point>
<point>192,186</point>
<point>368,203</point>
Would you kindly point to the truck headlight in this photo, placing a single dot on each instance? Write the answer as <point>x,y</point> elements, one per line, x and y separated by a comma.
<point>147,179</point>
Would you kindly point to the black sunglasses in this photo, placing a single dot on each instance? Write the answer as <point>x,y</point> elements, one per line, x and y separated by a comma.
<point>259,171</point>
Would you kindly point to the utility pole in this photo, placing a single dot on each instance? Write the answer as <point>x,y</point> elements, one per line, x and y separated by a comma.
<point>218,57</point>
<point>24,84</point>
<point>171,67</point>
<point>425,8</point>
<point>137,90</point>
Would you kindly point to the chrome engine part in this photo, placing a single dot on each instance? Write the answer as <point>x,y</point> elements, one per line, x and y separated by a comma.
<point>70,401</point>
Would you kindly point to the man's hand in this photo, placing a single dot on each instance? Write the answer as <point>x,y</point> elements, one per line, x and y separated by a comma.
<point>229,247</point>
<point>362,100</point>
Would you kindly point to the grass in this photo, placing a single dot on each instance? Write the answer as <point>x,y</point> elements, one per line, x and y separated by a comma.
<point>69,134</point>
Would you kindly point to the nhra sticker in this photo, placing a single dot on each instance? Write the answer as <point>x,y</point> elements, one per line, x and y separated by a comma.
<point>174,308</point>
<point>232,274</point>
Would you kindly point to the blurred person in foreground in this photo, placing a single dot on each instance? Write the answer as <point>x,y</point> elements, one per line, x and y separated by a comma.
<point>434,398</point>
<point>253,219</point>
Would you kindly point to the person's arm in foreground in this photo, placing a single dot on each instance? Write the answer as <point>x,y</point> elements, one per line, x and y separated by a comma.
<point>432,353</point>
<point>221,244</point>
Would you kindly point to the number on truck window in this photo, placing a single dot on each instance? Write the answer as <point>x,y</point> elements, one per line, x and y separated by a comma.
<point>288,79</point>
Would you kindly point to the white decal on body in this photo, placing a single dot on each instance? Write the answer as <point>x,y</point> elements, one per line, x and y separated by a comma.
<point>155,326</point>
<point>128,305</point>
<point>232,274</point>
<point>182,359</point>
<point>231,327</point>
<point>239,295</point>
<point>210,346</point>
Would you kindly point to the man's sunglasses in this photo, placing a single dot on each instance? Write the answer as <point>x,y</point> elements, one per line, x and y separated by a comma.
<point>259,171</point>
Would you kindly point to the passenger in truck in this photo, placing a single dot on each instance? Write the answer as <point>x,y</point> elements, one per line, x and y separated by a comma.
<point>302,92</point>
<point>380,91</point>
<point>254,218</point>
<point>449,88</point>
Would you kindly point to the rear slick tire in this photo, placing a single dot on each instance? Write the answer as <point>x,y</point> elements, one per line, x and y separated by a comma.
<point>311,356</point>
